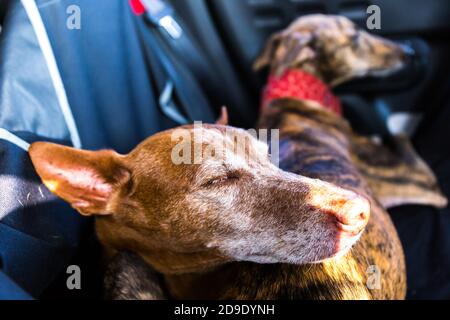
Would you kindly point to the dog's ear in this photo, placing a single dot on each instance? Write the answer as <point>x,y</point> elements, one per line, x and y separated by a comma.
<point>286,50</point>
<point>88,180</point>
<point>265,58</point>
<point>223,119</point>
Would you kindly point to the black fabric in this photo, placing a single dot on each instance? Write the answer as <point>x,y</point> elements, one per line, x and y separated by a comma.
<point>4,5</point>
<point>106,72</point>
<point>39,233</point>
<point>425,231</point>
<point>10,290</point>
<point>213,65</point>
<point>191,99</point>
<point>28,99</point>
<point>198,85</point>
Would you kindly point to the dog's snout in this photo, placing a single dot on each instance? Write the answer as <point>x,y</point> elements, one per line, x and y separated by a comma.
<point>349,210</point>
<point>407,53</point>
<point>407,50</point>
<point>353,215</point>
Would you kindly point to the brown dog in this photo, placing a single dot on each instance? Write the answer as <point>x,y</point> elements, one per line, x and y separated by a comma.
<point>191,219</point>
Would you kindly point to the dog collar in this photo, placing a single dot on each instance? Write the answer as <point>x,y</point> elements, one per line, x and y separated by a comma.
<point>298,84</point>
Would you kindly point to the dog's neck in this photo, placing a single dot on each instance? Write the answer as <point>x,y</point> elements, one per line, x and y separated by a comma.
<point>175,263</point>
<point>301,85</point>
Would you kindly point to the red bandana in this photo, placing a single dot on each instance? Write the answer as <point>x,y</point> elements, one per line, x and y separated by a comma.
<point>301,85</point>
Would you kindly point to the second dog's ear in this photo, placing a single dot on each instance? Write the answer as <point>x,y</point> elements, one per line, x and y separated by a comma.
<point>286,50</point>
<point>88,180</point>
<point>265,58</point>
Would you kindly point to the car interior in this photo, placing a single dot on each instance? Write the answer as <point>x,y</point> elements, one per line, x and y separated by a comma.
<point>126,77</point>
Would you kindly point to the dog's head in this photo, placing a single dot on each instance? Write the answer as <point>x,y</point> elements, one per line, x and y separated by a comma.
<point>333,48</point>
<point>191,198</point>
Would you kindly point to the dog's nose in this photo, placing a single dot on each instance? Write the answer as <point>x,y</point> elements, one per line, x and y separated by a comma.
<point>349,210</point>
<point>407,52</point>
<point>407,49</point>
<point>352,216</point>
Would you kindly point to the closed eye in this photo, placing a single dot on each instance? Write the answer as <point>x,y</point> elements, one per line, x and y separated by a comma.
<point>355,40</point>
<point>229,177</point>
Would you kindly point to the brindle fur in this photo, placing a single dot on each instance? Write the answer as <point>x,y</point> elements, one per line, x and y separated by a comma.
<point>334,50</point>
<point>330,47</point>
<point>395,172</point>
<point>318,144</point>
<point>129,277</point>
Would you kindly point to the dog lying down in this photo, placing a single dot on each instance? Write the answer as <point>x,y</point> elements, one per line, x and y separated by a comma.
<point>234,225</point>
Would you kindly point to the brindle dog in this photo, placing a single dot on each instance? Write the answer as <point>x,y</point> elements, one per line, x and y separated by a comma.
<point>331,48</point>
<point>318,143</point>
<point>334,50</point>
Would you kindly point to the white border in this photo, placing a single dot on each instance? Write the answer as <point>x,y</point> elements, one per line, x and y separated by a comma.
<point>42,37</point>
<point>8,136</point>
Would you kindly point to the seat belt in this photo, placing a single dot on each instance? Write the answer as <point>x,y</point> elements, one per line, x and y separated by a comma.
<point>180,85</point>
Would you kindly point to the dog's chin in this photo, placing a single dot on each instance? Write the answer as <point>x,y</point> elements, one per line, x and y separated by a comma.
<point>374,73</point>
<point>333,248</point>
<point>386,72</point>
<point>342,247</point>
